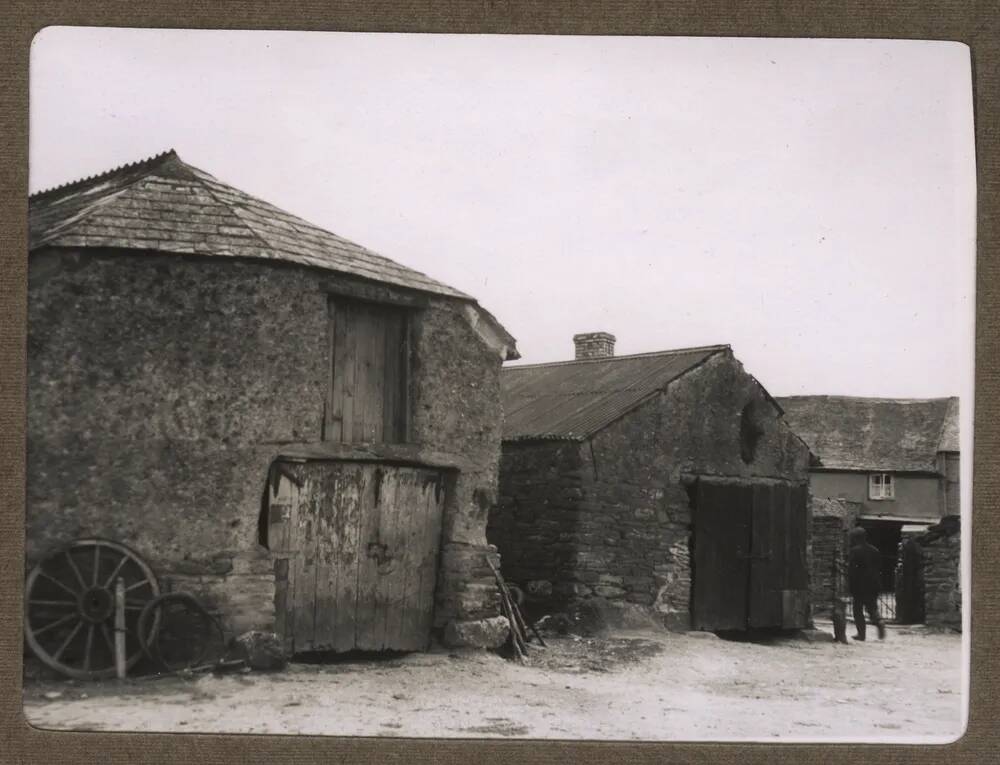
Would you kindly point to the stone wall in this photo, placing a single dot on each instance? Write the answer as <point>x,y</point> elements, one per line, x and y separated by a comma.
<point>942,550</point>
<point>832,519</point>
<point>161,388</point>
<point>610,518</point>
<point>536,521</point>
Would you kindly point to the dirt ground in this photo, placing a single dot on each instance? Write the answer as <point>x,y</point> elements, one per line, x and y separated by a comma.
<point>634,685</point>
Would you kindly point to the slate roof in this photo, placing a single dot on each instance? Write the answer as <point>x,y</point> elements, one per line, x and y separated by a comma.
<point>574,399</point>
<point>852,433</point>
<point>166,205</point>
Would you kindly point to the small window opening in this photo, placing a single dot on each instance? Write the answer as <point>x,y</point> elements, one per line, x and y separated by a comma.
<point>750,432</point>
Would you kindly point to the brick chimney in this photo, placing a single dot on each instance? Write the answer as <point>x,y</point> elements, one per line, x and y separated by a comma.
<point>594,345</point>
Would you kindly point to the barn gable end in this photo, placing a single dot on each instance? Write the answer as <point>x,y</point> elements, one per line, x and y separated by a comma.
<point>608,518</point>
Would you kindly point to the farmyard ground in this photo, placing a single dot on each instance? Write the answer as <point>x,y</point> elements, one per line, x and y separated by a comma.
<point>635,685</point>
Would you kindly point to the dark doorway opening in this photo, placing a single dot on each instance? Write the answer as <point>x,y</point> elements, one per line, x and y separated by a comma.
<point>886,536</point>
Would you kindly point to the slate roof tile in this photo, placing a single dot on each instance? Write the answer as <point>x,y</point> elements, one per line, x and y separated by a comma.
<point>115,207</point>
<point>873,434</point>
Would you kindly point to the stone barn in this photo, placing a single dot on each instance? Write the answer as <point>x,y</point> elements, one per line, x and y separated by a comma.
<point>300,432</point>
<point>666,481</point>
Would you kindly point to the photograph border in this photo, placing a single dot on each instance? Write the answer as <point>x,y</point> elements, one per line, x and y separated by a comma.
<point>967,23</point>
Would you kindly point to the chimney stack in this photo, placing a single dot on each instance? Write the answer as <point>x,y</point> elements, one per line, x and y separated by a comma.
<point>594,345</point>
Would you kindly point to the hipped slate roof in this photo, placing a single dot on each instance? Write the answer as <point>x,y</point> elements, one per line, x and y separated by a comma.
<point>575,399</point>
<point>163,204</point>
<point>850,433</point>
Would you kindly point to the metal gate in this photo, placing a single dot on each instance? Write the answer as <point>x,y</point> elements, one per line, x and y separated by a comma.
<point>749,555</point>
<point>886,599</point>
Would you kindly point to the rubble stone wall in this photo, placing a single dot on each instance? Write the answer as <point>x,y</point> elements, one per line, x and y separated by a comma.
<point>943,581</point>
<point>535,523</point>
<point>832,519</point>
<point>162,387</point>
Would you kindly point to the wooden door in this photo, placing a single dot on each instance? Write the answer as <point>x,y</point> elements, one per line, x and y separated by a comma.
<point>360,550</point>
<point>722,517</point>
<point>749,556</point>
<point>369,386</point>
<point>779,579</point>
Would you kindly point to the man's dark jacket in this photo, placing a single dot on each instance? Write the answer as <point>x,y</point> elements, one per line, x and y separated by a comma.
<point>865,565</point>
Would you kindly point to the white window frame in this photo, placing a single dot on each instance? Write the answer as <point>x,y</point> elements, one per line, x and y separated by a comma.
<point>881,486</point>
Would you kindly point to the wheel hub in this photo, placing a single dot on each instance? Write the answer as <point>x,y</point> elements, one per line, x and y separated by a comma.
<point>96,604</point>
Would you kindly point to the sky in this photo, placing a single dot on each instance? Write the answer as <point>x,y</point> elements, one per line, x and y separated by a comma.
<point>809,202</point>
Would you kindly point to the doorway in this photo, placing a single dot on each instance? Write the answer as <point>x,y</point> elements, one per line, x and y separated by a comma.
<point>749,569</point>
<point>356,549</point>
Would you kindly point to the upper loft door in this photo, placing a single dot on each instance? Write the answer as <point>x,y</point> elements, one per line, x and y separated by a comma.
<point>367,400</point>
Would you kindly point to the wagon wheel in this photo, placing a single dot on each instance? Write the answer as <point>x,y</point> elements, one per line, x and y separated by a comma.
<point>69,607</point>
<point>188,635</point>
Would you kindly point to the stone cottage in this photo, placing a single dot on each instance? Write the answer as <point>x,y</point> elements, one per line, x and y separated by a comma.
<point>669,481</point>
<point>888,465</point>
<point>297,430</point>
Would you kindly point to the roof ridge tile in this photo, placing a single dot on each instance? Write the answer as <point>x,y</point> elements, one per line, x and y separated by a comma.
<point>605,359</point>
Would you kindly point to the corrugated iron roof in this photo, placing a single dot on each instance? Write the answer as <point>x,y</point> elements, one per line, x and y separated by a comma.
<point>575,399</point>
<point>855,433</point>
<point>163,204</point>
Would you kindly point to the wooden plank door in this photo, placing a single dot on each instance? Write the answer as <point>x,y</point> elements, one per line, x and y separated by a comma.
<point>363,549</point>
<point>778,591</point>
<point>397,570</point>
<point>795,595</point>
<point>722,517</point>
<point>283,494</point>
<point>368,394</point>
<point>769,542</point>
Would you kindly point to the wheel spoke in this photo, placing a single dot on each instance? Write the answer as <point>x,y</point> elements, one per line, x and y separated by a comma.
<point>55,581</point>
<point>53,625</point>
<point>114,573</point>
<point>107,638</point>
<point>52,603</point>
<point>97,565</point>
<point>67,641</point>
<point>76,571</point>
<point>90,645</point>
<point>136,585</point>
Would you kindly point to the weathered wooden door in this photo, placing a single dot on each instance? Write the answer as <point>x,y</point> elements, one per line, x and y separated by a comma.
<point>368,396</point>
<point>722,516</point>
<point>749,556</point>
<point>779,578</point>
<point>356,548</point>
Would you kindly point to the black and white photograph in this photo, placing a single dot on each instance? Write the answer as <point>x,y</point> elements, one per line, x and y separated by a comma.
<point>499,386</point>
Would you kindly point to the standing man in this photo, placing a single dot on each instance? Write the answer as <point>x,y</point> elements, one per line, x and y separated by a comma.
<point>864,574</point>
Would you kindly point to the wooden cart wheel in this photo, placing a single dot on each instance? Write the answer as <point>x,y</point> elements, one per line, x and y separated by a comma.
<point>189,636</point>
<point>69,607</point>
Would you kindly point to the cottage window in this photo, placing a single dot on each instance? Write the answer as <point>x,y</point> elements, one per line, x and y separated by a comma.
<point>368,398</point>
<point>880,486</point>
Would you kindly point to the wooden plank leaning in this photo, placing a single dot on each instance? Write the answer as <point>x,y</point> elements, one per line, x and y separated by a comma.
<point>518,637</point>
